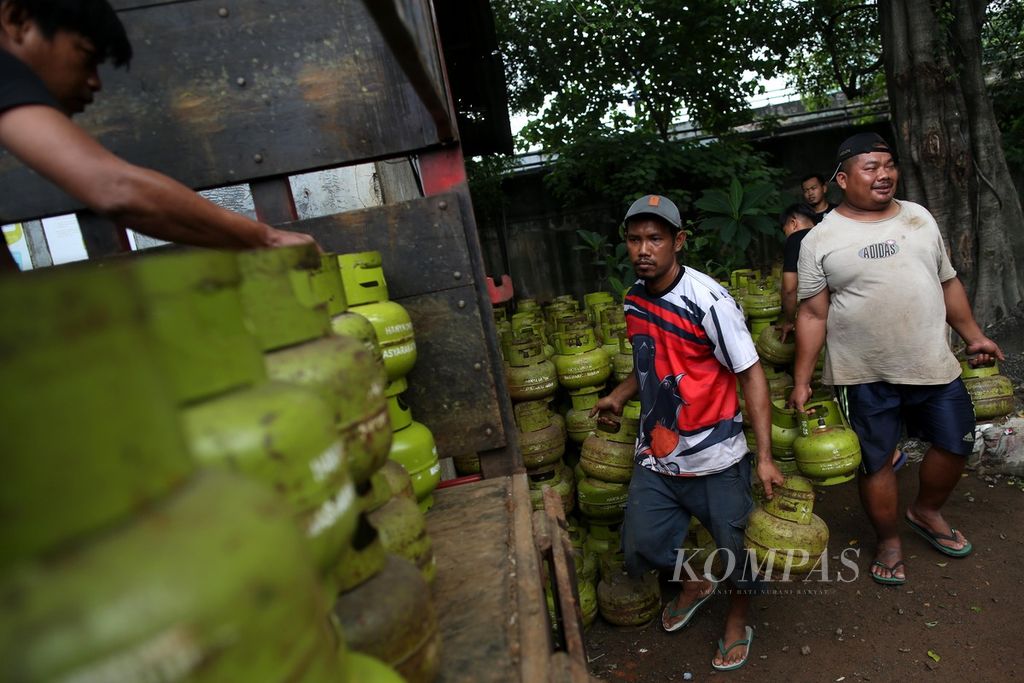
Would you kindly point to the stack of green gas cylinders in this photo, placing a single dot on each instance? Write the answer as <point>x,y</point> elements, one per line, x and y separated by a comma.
<point>287,295</point>
<point>819,443</point>
<point>366,291</point>
<point>175,508</point>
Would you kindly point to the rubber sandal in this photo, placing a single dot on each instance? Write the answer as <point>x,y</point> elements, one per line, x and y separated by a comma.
<point>892,579</point>
<point>724,651</point>
<point>688,613</point>
<point>934,538</point>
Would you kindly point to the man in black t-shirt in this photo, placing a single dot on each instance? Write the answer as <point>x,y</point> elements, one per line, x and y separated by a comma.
<point>796,220</point>
<point>814,188</point>
<point>50,51</point>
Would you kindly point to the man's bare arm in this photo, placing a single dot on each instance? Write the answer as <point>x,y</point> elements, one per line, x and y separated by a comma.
<point>51,144</point>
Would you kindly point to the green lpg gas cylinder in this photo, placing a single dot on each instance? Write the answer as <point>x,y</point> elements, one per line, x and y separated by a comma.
<point>213,583</point>
<point>578,360</point>
<point>75,358</point>
<point>622,362</point>
<point>612,324</point>
<point>603,537</point>
<point>397,479</point>
<point>823,405</point>
<point>780,383</point>
<point>771,348</point>
<point>401,526</point>
<point>527,305</point>
<point>391,617</point>
<point>785,530</point>
<point>292,325</point>
<point>555,310</point>
<point>530,375</point>
<point>785,430</point>
<point>364,557</point>
<point>827,454</point>
<point>587,594</point>
<point>362,276</point>
<point>625,601</point>
<point>601,499</point>
<point>283,435</point>
<point>413,447</point>
<point>758,326</point>
<point>276,432</point>
<point>558,477</point>
<point>466,463</point>
<point>991,393</point>
<point>593,300</point>
<point>608,456</point>
<point>344,323</point>
<point>762,300</point>
<point>586,561</point>
<point>578,423</point>
<point>541,435</point>
<point>366,669</point>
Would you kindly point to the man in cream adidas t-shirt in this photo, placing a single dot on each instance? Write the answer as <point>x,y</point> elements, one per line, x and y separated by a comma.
<point>875,279</point>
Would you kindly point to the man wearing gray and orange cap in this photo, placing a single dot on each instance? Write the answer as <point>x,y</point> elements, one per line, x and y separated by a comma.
<point>875,279</point>
<point>690,347</point>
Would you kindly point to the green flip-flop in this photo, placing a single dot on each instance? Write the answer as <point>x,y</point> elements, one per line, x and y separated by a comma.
<point>724,651</point>
<point>687,613</point>
<point>892,579</point>
<point>934,537</point>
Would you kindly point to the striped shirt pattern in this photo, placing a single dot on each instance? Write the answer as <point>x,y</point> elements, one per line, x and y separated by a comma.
<point>688,343</point>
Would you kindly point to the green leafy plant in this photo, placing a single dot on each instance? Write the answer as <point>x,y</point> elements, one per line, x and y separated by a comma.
<point>742,219</point>
<point>612,261</point>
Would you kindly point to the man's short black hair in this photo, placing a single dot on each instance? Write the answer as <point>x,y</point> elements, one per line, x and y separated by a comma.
<point>817,176</point>
<point>797,210</point>
<point>93,19</point>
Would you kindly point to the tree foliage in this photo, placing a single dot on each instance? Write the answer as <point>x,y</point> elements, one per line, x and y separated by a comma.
<point>839,49</point>
<point>582,66</point>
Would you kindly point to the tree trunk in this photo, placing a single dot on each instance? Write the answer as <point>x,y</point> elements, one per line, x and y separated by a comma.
<point>952,160</point>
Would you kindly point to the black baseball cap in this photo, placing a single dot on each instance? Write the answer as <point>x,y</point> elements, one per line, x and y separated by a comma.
<point>656,205</point>
<point>862,143</point>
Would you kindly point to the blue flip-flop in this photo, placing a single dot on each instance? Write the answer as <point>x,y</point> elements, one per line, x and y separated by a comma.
<point>934,537</point>
<point>724,651</point>
<point>900,461</point>
<point>688,613</point>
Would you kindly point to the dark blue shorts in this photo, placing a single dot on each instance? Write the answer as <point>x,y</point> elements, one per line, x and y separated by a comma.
<point>940,414</point>
<point>658,516</point>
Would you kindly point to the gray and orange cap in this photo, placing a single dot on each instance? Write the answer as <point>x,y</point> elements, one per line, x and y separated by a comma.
<point>656,205</point>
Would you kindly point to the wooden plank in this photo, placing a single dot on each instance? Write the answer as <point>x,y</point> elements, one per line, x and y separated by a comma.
<point>273,200</point>
<point>451,388</point>
<point>273,88</point>
<point>100,236</point>
<point>488,595</point>
<point>422,242</point>
<point>408,28</point>
<point>563,578</point>
<point>535,644</point>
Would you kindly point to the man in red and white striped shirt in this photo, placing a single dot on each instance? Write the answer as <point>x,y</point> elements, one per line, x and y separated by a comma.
<point>690,345</point>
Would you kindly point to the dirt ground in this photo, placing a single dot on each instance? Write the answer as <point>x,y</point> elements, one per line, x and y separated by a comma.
<point>954,619</point>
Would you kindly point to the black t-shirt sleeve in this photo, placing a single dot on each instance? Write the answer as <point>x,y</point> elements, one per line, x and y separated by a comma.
<point>791,251</point>
<point>19,85</point>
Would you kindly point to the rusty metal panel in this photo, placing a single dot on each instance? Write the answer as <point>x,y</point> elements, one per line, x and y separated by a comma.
<point>264,88</point>
<point>422,242</point>
<point>451,388</point>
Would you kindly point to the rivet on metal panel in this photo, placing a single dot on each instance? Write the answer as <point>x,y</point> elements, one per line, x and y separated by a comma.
<point>478,366</point>
<point>488,431</point>
<point>223,11</point>
<point>462,304</point>
<point>457,275</point>
<point>240,81</point>
<point>442,205</point>
<point>258,158</point>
